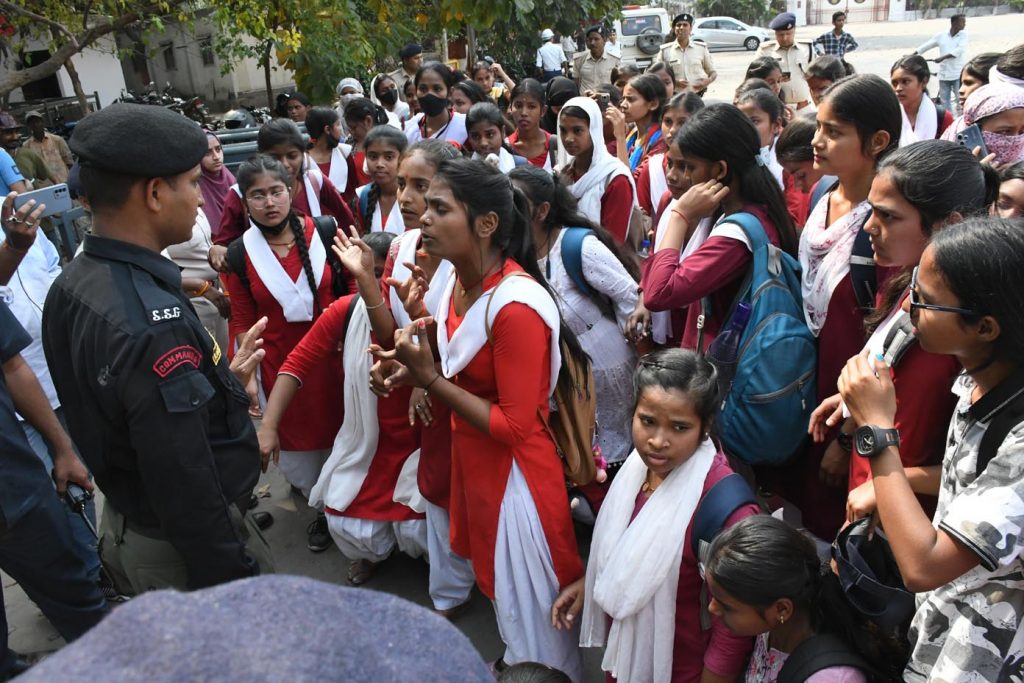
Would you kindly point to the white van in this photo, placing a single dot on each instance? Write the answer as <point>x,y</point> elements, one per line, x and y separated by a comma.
<point>642,32</point>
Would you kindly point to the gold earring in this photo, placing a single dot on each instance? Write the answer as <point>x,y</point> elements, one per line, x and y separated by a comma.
<point>782,619</point>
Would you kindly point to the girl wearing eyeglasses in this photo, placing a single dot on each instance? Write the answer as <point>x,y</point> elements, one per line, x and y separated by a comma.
<point>918,191</point>
<point>287,279</point>
<point>965,562</point>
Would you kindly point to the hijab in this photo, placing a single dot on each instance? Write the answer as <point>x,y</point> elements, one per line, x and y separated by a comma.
<point>215,188</point>
<point>559,91</point>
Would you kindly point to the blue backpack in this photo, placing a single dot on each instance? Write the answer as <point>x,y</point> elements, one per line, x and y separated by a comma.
<point>767,404</point>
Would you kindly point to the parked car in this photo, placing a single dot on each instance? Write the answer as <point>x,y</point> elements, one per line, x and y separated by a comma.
<point>642,32</point>
<point>726,33</point>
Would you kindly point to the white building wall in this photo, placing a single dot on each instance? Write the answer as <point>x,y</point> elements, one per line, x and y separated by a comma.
<point>98,68</point>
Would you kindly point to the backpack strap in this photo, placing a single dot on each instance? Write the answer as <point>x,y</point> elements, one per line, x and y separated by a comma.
<point>999,427</point>
<point>236,261</point>
<point>940,115</point>
<point>862,269</point>
<point>821,651</point>
<point>752,228</point>
<point>364,203</point>
<point>898,341</point>
<point>758,238</point>
<point>348,313</point>
<point>572,256</point>
<point>825,184</point>
<point>327,227</point>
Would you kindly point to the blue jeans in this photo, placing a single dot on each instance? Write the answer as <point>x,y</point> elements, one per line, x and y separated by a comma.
<point>83,540</point>
<point>37,553</point>
<point>949,93</point>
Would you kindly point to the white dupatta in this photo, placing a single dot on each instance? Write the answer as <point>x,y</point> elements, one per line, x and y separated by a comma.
<point>926,127</point>
<point>633,573</point>
<point>339,166</point>
<point>456,353</point>
<point>503,161</point>
<point>294,296</point>
<point>604,167</point>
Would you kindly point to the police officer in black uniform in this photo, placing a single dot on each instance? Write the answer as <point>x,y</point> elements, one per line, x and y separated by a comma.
<point>158,415</point>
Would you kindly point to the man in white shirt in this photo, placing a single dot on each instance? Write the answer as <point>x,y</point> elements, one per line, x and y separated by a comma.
<point>611,46</point>
<point>952,56</point>
<point>550,57</point>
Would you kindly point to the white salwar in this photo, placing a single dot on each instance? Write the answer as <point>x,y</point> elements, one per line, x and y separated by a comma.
<point>612,358</point>
<point>374,540</point>
<point>524,577</point>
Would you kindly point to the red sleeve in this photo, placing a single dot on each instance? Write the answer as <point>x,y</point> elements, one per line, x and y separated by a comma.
<point>616,207</point>
<point>232,220</point>
<point>350,188</point>
<point>947,121</point>
<point>643,187</point>
<point>243,308</point>
<point>669,284</point>
<point>797,203</point>
<point>311,354</point>
<point>332,204</point>
<point>924,405</point>
<point>522,372</point>
<point>727,653</point>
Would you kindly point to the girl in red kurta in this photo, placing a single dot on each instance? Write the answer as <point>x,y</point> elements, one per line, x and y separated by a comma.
<point>642,557</point>
<point>451,576</point>
<point>332,156</point>
<point>702,254</point>
<point>859,121</point>
<point>601,183</point>
<point>498,345</point>
<point>313,194</point>
<point>367,486</point>
<point>287,279</point>
<point>376,204</point>
<point>918,189</point>
<point>529,140</point>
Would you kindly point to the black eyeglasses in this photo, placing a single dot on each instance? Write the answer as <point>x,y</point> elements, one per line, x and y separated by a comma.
<point>915,303</point>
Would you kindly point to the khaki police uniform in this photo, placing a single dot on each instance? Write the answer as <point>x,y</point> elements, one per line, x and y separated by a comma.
<point>400,78</point>
<point>793,61</point>
<point>592,73</point>
<point>691,63</point>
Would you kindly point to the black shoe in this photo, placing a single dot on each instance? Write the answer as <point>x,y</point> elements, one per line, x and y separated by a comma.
<point>253,501</point>
<point>264,520</point>
<point>319,536</point>
<point>19,665</point>
<point>110,593</point>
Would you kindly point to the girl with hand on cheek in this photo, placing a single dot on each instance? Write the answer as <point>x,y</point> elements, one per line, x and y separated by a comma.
<point>643,569</point>
<point>967,300</point>
<point>650,178</point>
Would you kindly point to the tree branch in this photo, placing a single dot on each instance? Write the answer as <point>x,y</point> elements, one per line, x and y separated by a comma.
<point>54,25</point>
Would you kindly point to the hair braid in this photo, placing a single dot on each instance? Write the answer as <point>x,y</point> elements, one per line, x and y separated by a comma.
<point>372,197</point>
<point>298,226</point>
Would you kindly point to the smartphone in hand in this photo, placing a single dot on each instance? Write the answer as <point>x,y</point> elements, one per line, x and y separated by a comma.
<point>57,199</point>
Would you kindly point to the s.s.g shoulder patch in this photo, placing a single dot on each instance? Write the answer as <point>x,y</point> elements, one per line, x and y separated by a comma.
<point>158,315</point>
<point>175,358</point>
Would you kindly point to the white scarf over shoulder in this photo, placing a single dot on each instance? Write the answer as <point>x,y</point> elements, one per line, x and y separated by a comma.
<point>407,254</point>
<point>294,296</point>
<point>459,351</point>
<point>633,573</point>
<point>926,127</point>
<point>339,166</point>
<point>604,167</point>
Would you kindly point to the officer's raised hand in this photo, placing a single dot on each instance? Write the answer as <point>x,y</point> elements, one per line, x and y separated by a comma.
<point>20,226</point>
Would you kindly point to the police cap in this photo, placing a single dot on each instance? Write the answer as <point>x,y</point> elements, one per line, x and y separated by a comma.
<point>139,140</point>
<point>688,18</point>
<point>410,50</point>
<point>783,22</point>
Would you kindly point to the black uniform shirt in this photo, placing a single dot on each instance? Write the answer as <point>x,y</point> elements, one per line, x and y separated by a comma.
<point>152,406</point>
<point>23,479</point>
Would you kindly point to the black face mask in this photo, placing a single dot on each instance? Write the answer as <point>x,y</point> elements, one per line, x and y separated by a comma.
<point>432,105</point>
<point>271,230</point>
<point>389,97</point>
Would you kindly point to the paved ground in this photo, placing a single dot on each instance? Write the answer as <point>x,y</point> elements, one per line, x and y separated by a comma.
<point>881,44</point>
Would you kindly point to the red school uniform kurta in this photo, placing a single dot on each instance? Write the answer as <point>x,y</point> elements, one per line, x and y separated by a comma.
<point>314,417</point>
<point>541,160</point>
<point>434,475</point>
<point>714,270</point>
<point>718,649</point>
<point>234,220</point>
<point>348,195</point>
<point>513,373</point>
<point>319,348</point>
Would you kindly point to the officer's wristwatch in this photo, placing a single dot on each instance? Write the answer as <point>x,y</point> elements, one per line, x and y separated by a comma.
<point>871,440</point>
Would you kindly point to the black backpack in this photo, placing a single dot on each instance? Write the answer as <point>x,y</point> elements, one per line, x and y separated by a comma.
<point>819,652</point>
<point>327,227</point>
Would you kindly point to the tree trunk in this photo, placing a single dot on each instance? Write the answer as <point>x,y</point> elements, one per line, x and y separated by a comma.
<point>266,76</point>
<point>470,47</point>
<point>76,82</point>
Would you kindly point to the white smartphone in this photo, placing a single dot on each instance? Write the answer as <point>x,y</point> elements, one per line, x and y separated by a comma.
<point>57,199</point>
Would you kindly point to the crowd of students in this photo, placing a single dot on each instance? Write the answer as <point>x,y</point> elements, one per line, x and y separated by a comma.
<point>499,236</point>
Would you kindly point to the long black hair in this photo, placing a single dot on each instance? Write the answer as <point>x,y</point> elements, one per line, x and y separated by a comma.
<point>721,132</point>
<point>763,67</point>
<point>761,559</point>
<point>869,104</point>
<point>979,260</point>
<point>481,189</point>
<point>938,178</point>
<point>1011,62</point>
<point>652,89</point>
<point>279,132</point>
<point>362,107</point>
<point>686,371</point>
<point>317,119</point>
<point>765,100</point>
<point>827,67</point>
<point>442,70</point>
<point>472,90</point>
<point>388,135</point>
<point>794,143</point>
<point>539,186</point>
<point>262,164</point>
<point>916,66</point>
<point>980,65</point>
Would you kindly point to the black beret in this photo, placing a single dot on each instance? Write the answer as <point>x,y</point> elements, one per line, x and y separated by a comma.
<point>783,22</point>
<point>139,140</point>
<point>688,18</point>
<point>410,50</point>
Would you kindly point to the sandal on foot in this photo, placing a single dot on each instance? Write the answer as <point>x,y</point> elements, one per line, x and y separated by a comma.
<point>360,571</point>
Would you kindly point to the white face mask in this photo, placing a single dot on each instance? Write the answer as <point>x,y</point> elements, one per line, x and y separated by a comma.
<point>345,99</point>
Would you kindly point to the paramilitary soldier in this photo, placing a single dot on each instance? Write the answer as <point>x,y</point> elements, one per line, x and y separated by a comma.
<point>158,415</point>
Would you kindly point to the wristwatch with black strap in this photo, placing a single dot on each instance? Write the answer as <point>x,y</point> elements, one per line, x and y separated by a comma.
<point>871,440</point>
